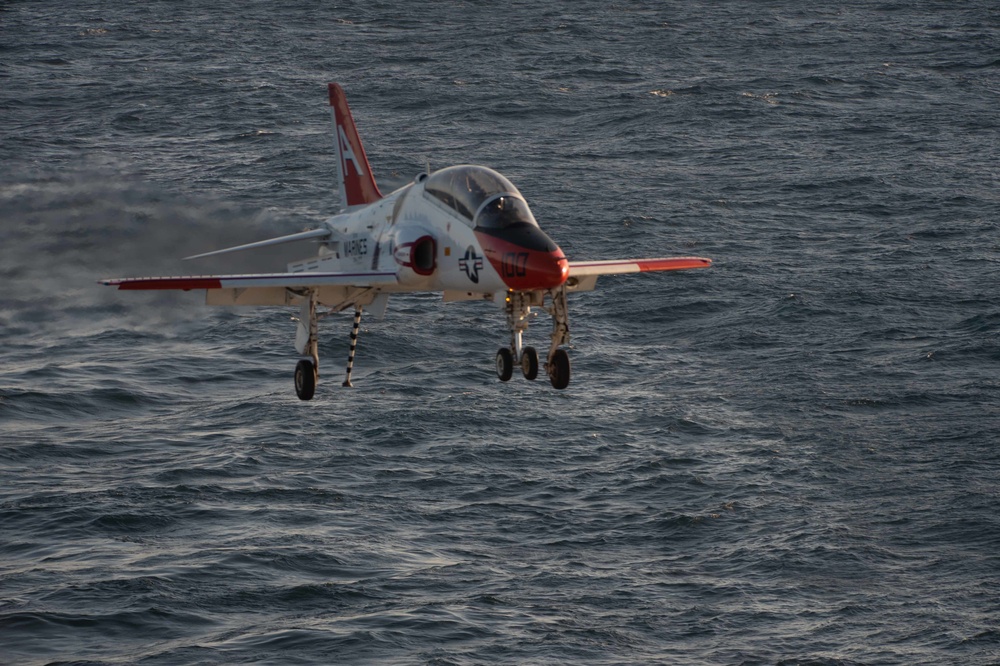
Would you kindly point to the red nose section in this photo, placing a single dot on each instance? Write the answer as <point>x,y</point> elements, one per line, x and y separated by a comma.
<point>525,265</point>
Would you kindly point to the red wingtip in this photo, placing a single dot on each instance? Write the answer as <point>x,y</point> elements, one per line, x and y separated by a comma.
<point>178,283</point>
<point>673,264</point>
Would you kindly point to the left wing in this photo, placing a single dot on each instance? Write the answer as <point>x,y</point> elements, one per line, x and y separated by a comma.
<point>286,280</point>
<point>265,288</point>
<point>583,274</point>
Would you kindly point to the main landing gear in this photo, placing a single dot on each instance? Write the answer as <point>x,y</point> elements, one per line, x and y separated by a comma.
<point>306,375</point>
<point>517,307</point>
<point>306,343</point>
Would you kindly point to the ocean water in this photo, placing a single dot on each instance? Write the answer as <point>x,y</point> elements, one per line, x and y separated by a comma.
<point>790,458</point>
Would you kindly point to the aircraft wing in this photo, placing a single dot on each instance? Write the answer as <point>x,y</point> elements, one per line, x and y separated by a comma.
<point>583,274</point>
<point>264,288</point>
<point>285,280</point>
<point>615,266</point>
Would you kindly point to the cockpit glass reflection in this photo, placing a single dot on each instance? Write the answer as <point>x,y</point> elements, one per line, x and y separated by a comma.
<point>504,211</point>
<point>465,188</point>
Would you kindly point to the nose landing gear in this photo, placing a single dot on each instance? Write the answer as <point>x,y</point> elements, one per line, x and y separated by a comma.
<point>529,363</point>
<point>505,364</point>
<point>517,307</point>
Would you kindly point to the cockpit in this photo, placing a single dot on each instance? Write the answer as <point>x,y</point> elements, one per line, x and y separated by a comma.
<point>481,196</point>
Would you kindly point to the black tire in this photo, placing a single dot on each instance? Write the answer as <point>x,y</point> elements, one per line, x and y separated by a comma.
<point>529,363</point>
<point>305,380</point>
<point>505,364</point>
<point>559,369</point>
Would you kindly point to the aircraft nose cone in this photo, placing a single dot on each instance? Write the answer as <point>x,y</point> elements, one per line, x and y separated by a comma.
<point>553,271</point>
<point>540,270</point>
<point>525,257</point>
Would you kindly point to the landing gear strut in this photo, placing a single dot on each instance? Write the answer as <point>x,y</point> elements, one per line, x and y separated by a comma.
<point>558,365</point>
<point>354,344</point>
<point>307,344</point>
<point>517,307</point>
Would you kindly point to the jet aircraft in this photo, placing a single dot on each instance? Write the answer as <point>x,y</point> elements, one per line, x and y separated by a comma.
<point>465,231</point>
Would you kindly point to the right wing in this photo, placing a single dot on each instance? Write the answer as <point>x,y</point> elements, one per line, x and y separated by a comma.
<point>583,274</point>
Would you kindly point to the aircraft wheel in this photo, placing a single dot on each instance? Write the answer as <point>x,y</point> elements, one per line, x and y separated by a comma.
<point>505,364</point>
<point>305,380</point>
<point>529,363</point>
<point>559,369</point>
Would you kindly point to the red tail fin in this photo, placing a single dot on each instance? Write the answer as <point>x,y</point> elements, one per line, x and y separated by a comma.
<point>357,184</point>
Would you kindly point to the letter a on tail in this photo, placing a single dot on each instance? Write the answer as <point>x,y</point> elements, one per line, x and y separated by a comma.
<point>354,175</point>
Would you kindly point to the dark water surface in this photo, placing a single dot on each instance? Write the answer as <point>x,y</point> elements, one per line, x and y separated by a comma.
<point>790,458</point>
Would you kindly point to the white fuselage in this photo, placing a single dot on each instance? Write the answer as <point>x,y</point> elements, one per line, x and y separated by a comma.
<point>428,244</point>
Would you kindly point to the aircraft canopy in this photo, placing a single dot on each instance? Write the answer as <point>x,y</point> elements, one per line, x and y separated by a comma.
<point>480,195</point>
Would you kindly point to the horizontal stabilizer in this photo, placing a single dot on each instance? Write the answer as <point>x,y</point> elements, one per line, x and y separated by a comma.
<point>286,280</point>
<point>304,235</point>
